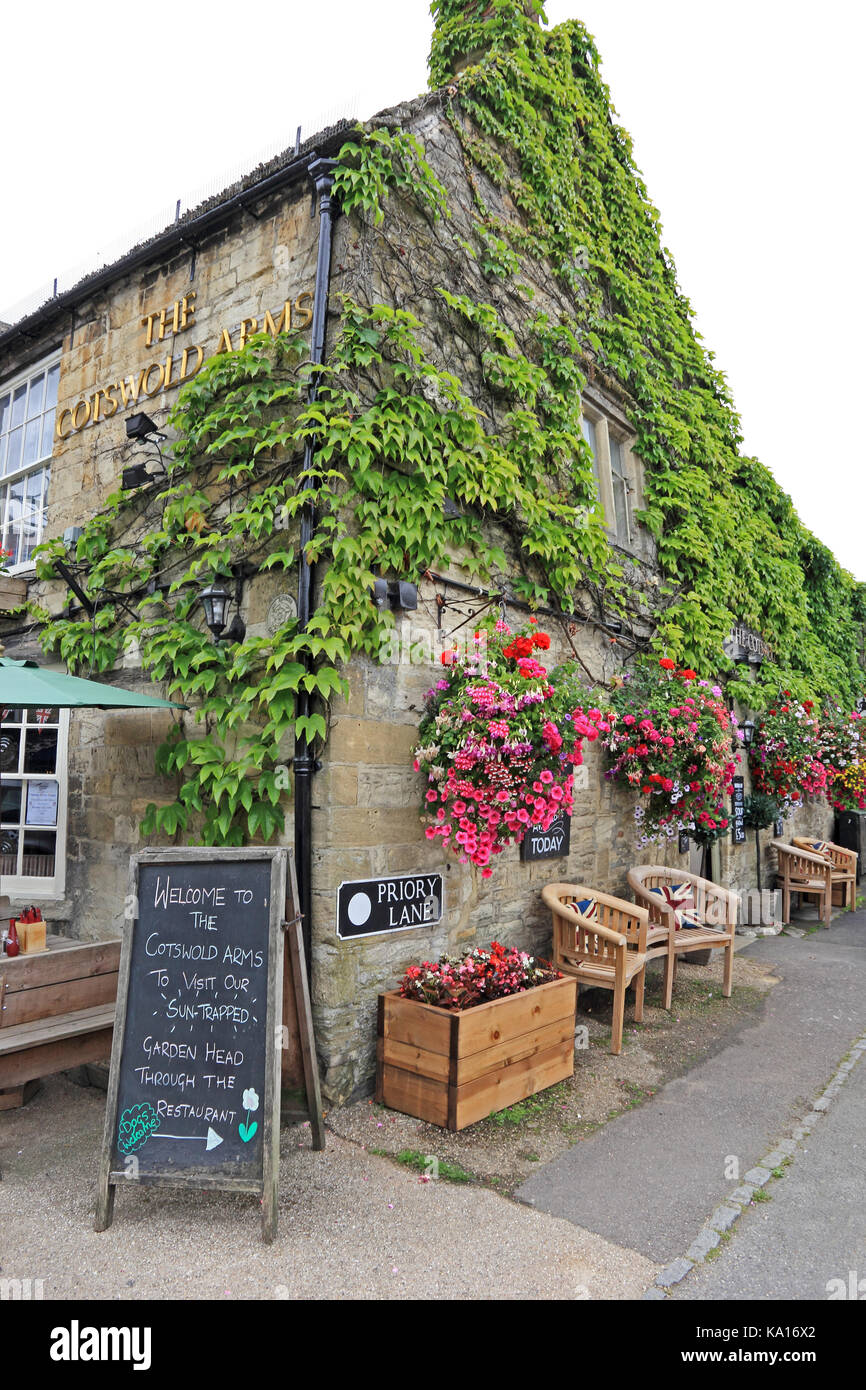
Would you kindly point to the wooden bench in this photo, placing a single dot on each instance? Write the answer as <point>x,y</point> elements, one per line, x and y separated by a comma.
<point>56,1011</point>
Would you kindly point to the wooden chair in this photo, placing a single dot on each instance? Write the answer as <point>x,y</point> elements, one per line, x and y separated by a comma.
<point>595,950</point>
<point>716,909</point>
<point>801,871</point>
<point>844,863</point>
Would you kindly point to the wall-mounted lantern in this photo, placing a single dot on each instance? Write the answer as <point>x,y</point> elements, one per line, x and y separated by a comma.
<point>215,600</point>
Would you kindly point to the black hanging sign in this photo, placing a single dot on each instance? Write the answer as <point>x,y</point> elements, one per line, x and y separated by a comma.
<point>194,1089</point>
<point>366,907</point>
<point>738,812</point>
<point>553,843</point>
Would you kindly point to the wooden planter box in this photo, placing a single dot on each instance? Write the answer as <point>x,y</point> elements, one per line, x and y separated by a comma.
<point>455,1068</point>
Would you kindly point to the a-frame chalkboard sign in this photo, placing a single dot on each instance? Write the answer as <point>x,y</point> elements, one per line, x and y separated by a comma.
<point>194,1089</point>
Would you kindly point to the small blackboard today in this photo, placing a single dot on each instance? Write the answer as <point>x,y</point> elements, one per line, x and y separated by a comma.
<point>194,1091</point>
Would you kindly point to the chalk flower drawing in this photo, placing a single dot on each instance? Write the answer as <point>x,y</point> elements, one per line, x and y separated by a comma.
<point>251,1102</point>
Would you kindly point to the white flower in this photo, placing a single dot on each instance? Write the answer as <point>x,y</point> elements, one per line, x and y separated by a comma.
<point>251,1100</point>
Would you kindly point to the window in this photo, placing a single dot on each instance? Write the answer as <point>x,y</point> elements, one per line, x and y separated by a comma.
<point>27,410</point>
<point>609,463</point>
<point>621,489</point>
<point>33,802</point>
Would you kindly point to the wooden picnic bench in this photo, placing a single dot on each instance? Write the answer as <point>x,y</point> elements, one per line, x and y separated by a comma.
<point>56,1011</point>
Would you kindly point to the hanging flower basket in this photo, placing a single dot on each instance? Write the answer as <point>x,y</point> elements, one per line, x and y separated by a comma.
<point>784,759</point>
<point>498,745</point>
<point>672,738</point>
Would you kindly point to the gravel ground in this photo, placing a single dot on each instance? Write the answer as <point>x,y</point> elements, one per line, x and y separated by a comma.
<point>352,1226</point>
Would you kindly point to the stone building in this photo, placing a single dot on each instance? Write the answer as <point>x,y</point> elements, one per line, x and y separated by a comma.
<point>123,342</point>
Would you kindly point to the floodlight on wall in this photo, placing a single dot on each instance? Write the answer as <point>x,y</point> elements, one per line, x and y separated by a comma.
<point>396,594</point>
<point>141,427</point>
<point>134,475</point>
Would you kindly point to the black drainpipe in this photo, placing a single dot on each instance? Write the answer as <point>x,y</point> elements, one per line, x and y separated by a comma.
<point>321,171</point>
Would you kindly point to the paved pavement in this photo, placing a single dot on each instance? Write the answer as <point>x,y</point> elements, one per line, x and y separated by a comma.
<point>813,1229</point>
<point>650,1178</point>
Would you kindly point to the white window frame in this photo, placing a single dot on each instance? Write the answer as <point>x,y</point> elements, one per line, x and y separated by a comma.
<point>39,889</point>
<point>38,465</point>
<point>605,430</point>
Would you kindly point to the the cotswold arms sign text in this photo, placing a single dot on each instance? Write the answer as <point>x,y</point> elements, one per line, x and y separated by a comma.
<point>178,364</point>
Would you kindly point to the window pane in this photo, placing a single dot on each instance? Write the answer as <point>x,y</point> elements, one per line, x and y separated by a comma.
<point>31,441</point>
<point>617,461</point>
<point>10,744</point>
<point>37,393</point>
<point>4,412</point>
<point>51,388</point>
<point>620,502</point>
<point>39,849</point>
<point>13,456</point>
<point>43,715</point>
<point>18,400</point>
<point>8,852</point>
<point>40,750</point>
<point>31,530</point>
<point>14,518</point>
<point>10,813</point>
<point>11,716</point>
<point>590,436</point>
<point>48,423</point>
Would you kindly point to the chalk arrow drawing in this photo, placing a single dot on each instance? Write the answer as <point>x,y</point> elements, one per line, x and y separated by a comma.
<point>211,1137</point>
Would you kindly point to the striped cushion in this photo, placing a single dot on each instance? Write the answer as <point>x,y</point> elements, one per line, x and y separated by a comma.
<point>587,907</point>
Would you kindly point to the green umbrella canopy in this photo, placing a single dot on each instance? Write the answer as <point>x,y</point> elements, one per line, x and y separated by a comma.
<point>24,683</point>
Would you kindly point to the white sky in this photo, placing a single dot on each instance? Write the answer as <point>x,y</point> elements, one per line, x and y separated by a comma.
<point>747,118</point>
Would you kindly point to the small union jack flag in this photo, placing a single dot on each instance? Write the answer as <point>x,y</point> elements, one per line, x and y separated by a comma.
<point>42,716</point>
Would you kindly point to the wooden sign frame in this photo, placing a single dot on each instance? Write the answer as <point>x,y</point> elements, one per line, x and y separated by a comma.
<point>282,907</point>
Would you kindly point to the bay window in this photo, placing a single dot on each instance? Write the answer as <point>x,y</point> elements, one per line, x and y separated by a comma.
<point>27,410</point>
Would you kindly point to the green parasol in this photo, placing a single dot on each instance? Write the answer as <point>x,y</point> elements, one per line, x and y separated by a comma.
<point>26,685</point>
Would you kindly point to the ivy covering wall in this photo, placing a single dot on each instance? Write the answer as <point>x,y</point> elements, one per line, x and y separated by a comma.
<point>411,461</point>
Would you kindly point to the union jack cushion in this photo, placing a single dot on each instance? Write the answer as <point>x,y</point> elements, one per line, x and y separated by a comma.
<point>587,907</point>
<point>679,896</point>
<point>820,847</point>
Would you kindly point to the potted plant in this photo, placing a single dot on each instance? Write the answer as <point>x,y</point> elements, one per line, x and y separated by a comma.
<point>469,1035</point>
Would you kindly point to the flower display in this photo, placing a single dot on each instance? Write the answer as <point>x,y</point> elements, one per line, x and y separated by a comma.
<point>672,738</point>
<point>459,982</point>
<point>842,750</point>
<point>785,757</point>
<point>498,744</point>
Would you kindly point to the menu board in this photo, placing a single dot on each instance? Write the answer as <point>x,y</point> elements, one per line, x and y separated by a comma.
<point>194,1090</point>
